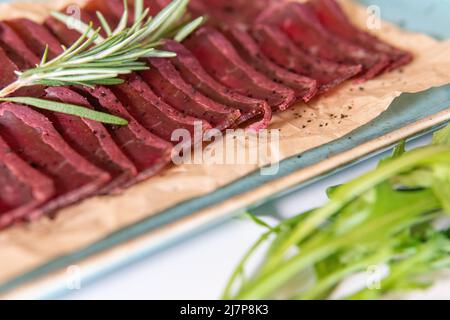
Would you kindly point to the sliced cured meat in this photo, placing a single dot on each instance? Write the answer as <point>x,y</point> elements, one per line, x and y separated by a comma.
<point>36,37</point>
<point>192,71</point>
<point>167,82</point>
<point>301,24</point>
<point>7,69</point>
<point>230,12</point>
<point>90,139</point>
<point>155,6</point>
<point>15,48</point>
<point>22,188</point>
<point>147,152</point>
<point>304,87</point>
<point>197,8</point>
<point>112,10</point>
<point>62,32</point>
<point>166,77</point>
<point>35,140</point>
<point>8,76</point>
<point>334,19</point>
<point>152,112</point>
<point>279,48</point>
<point>218,56</point>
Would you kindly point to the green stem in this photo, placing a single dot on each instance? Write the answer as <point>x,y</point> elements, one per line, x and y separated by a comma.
<point>326,284</point>
<point>399,271</point>
<point>267,283</point>
<point>227,295</point>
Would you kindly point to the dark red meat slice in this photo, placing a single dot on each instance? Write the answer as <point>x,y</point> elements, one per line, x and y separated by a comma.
<point>7,69</point>
<point>112,10</point>
<point>279,48</point>
<point>230,12</point>
<point>304,87</point>
<point>152,112</point>
<point>34,139</point>
<point>36,36</point>
<point>301,24</point>
<point>198,8</point>
<point>218,56</point>
<point>149,153</point>
<point>22,188</point>
<point>90,139</point>
<point>193,72</point>
<point>15,48</point>
<point>334,19</point>
<point>8,76</point>
<point>166,81</point>
<point>156,6</point>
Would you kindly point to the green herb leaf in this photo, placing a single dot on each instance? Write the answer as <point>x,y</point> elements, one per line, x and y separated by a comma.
<point>68,109</point>
<point>188,29</point>
<point>442,137</point>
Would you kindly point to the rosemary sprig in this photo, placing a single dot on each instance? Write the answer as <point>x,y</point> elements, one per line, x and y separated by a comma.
<point>94,60</point>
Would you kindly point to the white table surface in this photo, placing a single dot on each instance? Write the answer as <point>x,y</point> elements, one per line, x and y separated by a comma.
<point>200,267</point>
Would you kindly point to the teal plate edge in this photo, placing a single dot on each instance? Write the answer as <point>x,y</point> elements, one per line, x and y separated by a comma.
<point>406,110</point>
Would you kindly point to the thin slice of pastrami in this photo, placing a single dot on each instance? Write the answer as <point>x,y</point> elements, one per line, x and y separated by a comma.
<point>301,24</point>
<point>221,60</point>
<point>192,71</point>
<point>332,16</point>
<point>304,87</point>
<point>8,75</point>
<point>152,112</point>
<point>148,153</point>
<point>36,37</point>
<point>90,139</point>
<point>230,12</point>
<point>7,70</point>
<point>35,140</point>
<point>60,30</point>
<point>136,96</point>
<point>22,188</point>
<point>15,48</point>
<point>280,49</point>
<point>155,6</point>
<point>112,10</point>
<point>167,82</point>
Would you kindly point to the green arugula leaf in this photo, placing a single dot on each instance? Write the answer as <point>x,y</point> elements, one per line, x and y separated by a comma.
<point>384,217</point>
<point>442,137</point>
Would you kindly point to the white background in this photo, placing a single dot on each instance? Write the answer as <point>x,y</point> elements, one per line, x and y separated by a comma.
<point>200,267</point>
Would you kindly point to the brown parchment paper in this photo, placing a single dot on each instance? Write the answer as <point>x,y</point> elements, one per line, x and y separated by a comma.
<point>22,248</point>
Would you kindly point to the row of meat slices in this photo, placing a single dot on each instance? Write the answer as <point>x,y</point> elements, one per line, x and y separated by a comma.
<point>251,59</point>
